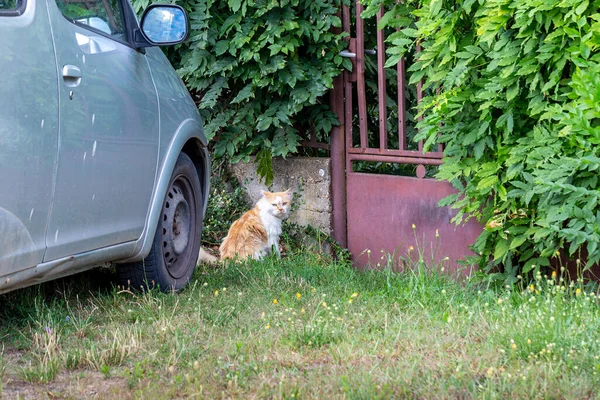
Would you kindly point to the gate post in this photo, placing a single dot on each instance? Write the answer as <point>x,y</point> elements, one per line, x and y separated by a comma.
<point>338,164</point>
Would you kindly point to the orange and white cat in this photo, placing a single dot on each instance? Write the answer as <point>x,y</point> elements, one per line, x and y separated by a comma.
<point>256,233</point>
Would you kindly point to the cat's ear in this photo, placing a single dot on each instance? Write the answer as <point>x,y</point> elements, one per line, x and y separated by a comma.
<point>263,192</point>
<point>288,191</point>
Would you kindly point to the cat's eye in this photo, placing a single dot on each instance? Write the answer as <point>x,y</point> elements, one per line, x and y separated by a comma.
<point>274,204</point>
<point>285,203</point>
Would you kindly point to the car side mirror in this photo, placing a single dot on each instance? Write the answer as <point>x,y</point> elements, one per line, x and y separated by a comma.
<point>163,24</point>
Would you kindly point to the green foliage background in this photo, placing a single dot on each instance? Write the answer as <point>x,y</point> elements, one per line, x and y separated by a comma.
<point>259,70</point>
<point>516,102</point>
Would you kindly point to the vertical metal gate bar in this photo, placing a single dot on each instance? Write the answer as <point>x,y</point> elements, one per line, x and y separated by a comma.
<point>348,89</point>
<point>419,98</point>
<point>360,76</point>
<point>383,139</point>
<point>337,150</point>
<point>401,106</point>
<point>401,102</point>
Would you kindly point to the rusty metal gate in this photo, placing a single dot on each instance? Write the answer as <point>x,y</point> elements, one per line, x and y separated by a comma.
<point>384,198</point>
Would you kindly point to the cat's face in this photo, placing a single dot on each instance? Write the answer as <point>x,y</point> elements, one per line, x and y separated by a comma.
<point>279,202</point>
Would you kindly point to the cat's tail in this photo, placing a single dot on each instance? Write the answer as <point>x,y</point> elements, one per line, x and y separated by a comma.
<point>205,257</point>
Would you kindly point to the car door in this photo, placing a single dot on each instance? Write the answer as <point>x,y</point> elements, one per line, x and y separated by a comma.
<point>109,129</point>
<point>28,132</point>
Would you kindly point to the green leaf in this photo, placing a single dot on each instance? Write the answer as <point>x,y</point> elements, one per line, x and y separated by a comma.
<point>264,161</point>
<point>517,242</point>
<point>263,123</point>
<point>221,47</point>
<point>582,7</point>
<point>501,249</point>
<point>234,5</point>
<point>243,94</point>
<point>435,6</point>
<point>487,183</point>
<point>512,91</point>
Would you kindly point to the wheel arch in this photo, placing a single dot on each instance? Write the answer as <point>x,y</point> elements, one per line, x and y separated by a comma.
<point>188,138</point>
<point>196,150</point>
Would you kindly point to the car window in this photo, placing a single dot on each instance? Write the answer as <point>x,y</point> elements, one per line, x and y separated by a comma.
<point>10,4</point>
<point>12,7</point>
<point>102,15</point>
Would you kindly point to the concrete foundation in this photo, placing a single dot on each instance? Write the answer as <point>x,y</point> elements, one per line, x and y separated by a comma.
<point>308,177</point>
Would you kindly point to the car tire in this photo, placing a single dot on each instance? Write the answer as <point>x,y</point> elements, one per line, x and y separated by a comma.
<point>174,253</point>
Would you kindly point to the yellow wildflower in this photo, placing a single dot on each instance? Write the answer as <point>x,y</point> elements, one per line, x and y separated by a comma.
<point>302,311</point>
<point>577,292</point>
<point>216,293</point>
<point>414,226</point>
<point>275,301</point>
<point>298,295</point>
<point>354,294</point>
<point>268,326</point>
<point>324,304</point>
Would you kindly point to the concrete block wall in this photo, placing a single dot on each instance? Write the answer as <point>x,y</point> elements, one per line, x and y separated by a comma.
<point>308,176</point>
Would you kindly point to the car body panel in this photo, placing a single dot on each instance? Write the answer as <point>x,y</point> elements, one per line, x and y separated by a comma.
<point>33,156</point>
<point>109,136</point>
<point>28,135</point>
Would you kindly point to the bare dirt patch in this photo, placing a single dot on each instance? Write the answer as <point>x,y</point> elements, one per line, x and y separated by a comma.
<point>78,384</point>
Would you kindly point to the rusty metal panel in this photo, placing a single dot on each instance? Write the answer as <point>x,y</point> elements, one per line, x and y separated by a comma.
<point>382,210</point>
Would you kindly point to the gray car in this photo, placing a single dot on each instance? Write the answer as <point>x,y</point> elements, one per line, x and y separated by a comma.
<point>102,153</point>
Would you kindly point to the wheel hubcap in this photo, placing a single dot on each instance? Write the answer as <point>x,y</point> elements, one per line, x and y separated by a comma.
<point>176,227</point>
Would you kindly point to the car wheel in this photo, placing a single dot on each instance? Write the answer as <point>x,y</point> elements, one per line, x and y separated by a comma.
<point>176,244</point>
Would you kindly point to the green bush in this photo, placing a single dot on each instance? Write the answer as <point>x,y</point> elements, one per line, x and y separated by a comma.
<point>259,70</point>
<point>516,102</point>
<point>226,203</point>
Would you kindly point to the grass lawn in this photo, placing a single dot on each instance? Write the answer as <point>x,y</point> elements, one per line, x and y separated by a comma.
<point>301,327</point>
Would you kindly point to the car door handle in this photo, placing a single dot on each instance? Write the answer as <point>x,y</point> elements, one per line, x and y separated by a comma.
<point>71,75</point>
